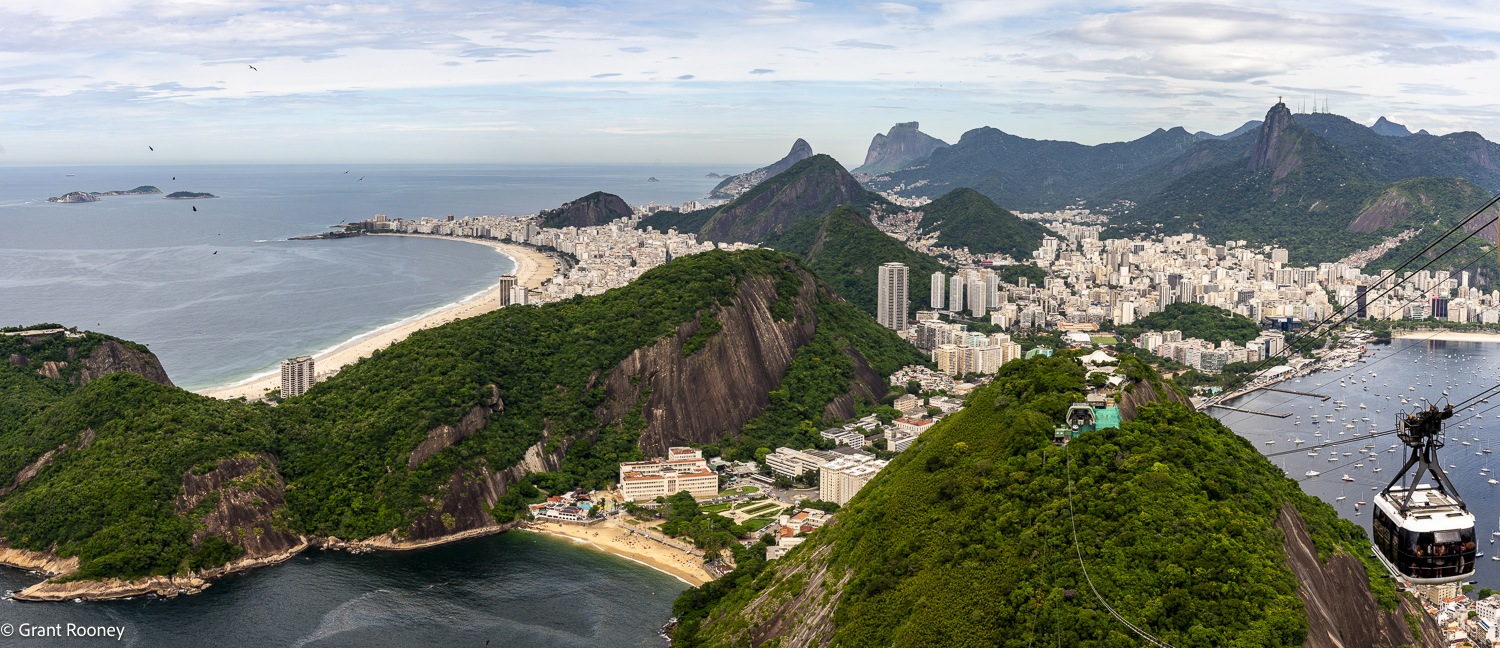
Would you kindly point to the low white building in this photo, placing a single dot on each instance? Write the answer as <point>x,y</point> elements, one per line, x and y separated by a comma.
<point>791,463</point>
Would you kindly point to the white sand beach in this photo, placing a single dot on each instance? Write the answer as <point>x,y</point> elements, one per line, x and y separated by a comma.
<point>532,270</point>
<point>1448,336</point>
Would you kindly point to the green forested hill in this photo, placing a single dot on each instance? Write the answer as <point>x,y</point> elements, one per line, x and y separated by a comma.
<point>810,189</point>
<point>846,250</point>
<point>965,217</point>
<point>966,539</point>
<point>1209,323</point>
<point>343,447</point>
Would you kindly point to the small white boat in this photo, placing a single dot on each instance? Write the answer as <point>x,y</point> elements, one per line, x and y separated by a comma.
<point>1347,478</point>
<point>1312,473</point>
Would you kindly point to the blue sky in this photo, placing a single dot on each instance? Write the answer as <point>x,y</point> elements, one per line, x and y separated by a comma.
<point>727,81</point>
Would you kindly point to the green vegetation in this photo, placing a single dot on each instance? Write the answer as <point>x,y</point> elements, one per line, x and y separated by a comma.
<point>1209,323</point>
<point>189,194</point>
<point>964,217</point>
<point>966,539</point>
<point>1012,273</point>
<point>846,251</point>
<point>810,189</point>
<point>597,208</point>
<point>343,447</point>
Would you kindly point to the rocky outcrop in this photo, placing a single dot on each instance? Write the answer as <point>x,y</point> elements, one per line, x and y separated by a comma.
<point>36,561</point>
<point>699,398</point>
<point>1277,146</point>
<point>1389,128</point>
<point>1143,392</point>
<point>85,439</point>
<point>898,149</point>
<point>735,185</point>
<point>1392,207</point>
<point>109,356</point>
<point>74,197</point>
<point>595,209</point>
<point>1341,611</point>
<point>446,435</point>
<point>238,501</point>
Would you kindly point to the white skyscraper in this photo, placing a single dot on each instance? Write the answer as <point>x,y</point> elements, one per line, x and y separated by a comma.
<point>956,293</point>
<point>296,376</point>
<point>937,291</point>
<point>891,302</point>
<point>977,299</point>
<point>992,291</point>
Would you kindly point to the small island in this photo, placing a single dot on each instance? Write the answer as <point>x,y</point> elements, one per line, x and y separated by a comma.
<point>652,179</point>
<point>183,195</point>
<point>92,196</point>
<point>713,175</point>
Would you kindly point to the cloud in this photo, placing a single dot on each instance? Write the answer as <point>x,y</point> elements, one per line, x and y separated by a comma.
<point>891,8</point>
<point>633,50</point>
<point>774,12</point>
<point>1431,89</point>
<point>1027,108</point>
<point>859,44</point>
<point>1441,55</point>
<point>606,75</point>
<point>761,71</point>
<point>685,77</point>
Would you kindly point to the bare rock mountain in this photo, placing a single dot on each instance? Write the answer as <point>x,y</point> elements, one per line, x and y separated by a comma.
<point>903,146</point>
<point>595,209</point>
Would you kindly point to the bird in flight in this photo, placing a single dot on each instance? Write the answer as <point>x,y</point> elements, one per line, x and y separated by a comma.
<point>360,178</point>
<point>150,147</point>
<point>347,172</point>
<point>195,208</point>
<point>253,68</point>
<point>216,251</point>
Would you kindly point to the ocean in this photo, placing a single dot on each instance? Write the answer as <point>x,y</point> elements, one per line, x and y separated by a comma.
<point>1410,368</point>
<point>220,295</point>
<point>515,589</point>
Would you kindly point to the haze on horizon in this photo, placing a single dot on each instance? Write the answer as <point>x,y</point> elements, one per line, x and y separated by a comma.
<point>469,81</point>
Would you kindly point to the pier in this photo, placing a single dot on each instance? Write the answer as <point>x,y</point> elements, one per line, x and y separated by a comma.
<point>1250,411</point>
<point>1299,393</point>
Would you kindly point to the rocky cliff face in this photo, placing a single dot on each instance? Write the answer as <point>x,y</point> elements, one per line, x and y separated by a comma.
<point>107,356</point>
<point>238,501</point>
<point>1277,147</point>
<point>700,398</point>
<point>898,149</point>
<point>595,209</point>
<point>735,185</point>
<point>1389,128</point>
<point>1341,612</point>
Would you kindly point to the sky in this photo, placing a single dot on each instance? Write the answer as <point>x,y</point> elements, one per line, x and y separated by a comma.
<point>721,81</point>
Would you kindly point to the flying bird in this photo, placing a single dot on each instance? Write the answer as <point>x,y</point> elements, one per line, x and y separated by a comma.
<point>150,147</point>
<point>347,172</point>
<point>216,251</point>
<point>195,208</point>
<point>253,68</point>
<point>174,177</point>
<point>360,178</point>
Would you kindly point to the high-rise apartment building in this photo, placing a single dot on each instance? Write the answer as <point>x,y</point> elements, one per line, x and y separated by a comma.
<point>938,284</point>
<point>507,283</point>
<point>296,376</point>
<point>956,293</point>
<point>891,299</point>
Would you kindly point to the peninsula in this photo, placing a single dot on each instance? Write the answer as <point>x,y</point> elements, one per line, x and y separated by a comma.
<point>183,195</point>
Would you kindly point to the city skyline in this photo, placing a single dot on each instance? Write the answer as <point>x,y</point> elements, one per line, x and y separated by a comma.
<point>698,82</point>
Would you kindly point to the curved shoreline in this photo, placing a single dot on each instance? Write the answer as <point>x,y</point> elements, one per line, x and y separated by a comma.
<point>603,544</point>
<point>532,270</point>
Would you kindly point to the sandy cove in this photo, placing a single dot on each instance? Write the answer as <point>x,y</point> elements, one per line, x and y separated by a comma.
<point>1448,336</point>
<point>615,540</point>
<point>532,270</point>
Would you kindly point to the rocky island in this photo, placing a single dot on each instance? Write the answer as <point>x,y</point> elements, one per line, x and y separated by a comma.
<point>182,195</point>
<point>92,196</point>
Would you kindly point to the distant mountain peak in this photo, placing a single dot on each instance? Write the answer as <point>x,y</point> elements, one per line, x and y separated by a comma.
<point>1389,128</point>
<point>1273,144</point>
<point>903,146</point>
<point>733,186</point>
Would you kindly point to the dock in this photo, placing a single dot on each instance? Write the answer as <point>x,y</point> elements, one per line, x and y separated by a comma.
<point>1250,411</point>
<point>1299,393</point>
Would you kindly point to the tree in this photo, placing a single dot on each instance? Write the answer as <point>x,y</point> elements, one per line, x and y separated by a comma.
<point>913,387</point>
<point>933,411</point>
<point>761,454</point>
<point>1485,592</point>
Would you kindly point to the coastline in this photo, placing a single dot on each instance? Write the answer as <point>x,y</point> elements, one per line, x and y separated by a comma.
<point>1447,336</point>
<point>532,270</point>
<point>648,553</point>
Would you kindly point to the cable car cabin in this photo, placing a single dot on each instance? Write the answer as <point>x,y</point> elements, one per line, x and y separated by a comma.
<point>1432,544</point>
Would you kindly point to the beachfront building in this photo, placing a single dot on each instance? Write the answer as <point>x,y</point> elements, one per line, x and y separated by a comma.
<point>683,469</point>
<point>507,290</point>
<point>790,463</point>
<point>840,479</point>
<point>296,376</point>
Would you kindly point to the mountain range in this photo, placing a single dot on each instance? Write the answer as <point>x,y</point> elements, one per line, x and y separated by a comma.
<point>897,149</point>
<point>846,250</point>
<point>733,186</point>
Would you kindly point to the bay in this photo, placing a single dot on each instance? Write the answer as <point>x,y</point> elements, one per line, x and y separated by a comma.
<point>1410,368</point>
<point>219,294</point>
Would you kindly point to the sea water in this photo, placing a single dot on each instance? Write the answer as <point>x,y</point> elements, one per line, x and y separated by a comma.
<point>515,589</point>
<point>220,295</point>
<point>1431,367</point>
